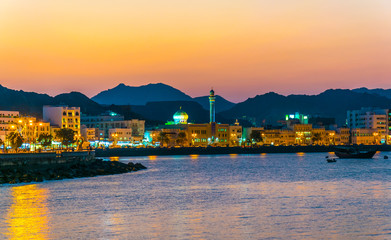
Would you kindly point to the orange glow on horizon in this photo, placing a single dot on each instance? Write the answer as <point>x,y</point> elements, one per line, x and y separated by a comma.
<point>268,46</point>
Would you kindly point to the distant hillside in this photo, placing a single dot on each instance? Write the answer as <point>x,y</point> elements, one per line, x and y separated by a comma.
<point>31,103</point>
<point>86,105</point>
<point>124,95</point>
<point>379,91</point>
<point>272,107</point>
<point>221,103</point>
<point>25,102</point>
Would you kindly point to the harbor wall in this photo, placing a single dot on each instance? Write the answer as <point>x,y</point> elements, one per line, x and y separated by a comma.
<point>45,160</point>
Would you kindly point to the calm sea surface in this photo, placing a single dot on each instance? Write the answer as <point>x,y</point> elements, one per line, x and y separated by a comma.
<point>266,196</point>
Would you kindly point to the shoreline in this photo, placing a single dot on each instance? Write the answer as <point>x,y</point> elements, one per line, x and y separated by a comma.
<point>132,152</point>
<point>38,167</point>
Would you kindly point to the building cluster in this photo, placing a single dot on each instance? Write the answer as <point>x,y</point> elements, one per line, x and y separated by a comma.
<point>181,133</point>
<point>365,126</point>
<point>103,130</point>
<point>368,126</point>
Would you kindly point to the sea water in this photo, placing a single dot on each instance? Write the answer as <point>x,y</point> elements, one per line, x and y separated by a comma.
<point>263,196</point>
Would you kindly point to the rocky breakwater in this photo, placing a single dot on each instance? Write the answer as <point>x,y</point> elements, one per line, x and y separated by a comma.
<point>25,174</point>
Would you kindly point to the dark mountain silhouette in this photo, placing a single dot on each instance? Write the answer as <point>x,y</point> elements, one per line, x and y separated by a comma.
<point>24,102</point>
<point>124,95</point>
<point>378,91</point>
<point>164,111</point>
<point>86,105</point>
<point>30,103</point>
<point>221,103</point>
<point>272,107</point>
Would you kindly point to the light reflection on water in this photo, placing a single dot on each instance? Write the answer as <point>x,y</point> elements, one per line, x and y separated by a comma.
<point>276,196</point>
<point>27,217</point>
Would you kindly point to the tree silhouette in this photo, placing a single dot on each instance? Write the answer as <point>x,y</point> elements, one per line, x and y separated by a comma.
<point>66,136</point>
<point>256,136</point>
<point>15,139</point>
<point>45,139</point>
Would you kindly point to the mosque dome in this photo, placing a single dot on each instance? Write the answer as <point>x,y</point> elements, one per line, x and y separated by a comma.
<point>212,92</point>
<point>180,117</point>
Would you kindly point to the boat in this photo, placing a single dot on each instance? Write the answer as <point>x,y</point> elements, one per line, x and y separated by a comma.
<point>354,152</point>
<point>331,160</point>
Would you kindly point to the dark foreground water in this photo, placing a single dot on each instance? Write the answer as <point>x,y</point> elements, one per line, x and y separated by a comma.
<point>273,196</point>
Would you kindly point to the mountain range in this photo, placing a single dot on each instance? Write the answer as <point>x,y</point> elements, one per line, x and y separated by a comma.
<point>158,102</point>
<point>154,92</point>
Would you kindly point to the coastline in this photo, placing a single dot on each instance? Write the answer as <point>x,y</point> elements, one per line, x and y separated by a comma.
<point>129,152</point>
<point>38,167</point>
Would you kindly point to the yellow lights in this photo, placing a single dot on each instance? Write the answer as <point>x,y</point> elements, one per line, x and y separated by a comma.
<point>194,156</point>
<point>12,126</point>
<point>300,154</point>
<point>40,124</point>
<point>152,157</point>
<point>31,124</point>
<point>30,121</point>
<point>20,121</point>
<point>114,159</point>
<point>27,217</point>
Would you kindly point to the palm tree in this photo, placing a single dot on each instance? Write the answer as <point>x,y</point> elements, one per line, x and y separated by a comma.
<point>15,139</point>
<point>2,143</point>
<point>163,138</point>
<point>181,139</point>
<point>45,139</point>
<point>316,137</point>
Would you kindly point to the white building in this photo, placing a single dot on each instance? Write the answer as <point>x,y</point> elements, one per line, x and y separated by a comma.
<point>370,118</point>
<point>7,120</point>
<point>63,117</point>
<point>111,120</point>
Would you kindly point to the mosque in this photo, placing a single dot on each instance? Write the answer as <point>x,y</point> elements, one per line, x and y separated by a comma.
<point>205,134</point>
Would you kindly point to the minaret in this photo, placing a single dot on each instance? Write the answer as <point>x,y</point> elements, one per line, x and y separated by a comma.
<point>212,100</point>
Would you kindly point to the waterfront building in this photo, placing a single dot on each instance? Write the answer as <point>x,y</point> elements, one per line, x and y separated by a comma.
<point>111,120</point>
<point>91,134</point>
<point>371,118</point>
<point>235,134</point>
<point>180,117</point>
<point>120,136</point>
<point>181,133</point>
<point>365,136</point>
<point>30,128</point>
<point>342,136</point>
<point>63,117</point>
<point>7,120</point>
<point>303,133</point>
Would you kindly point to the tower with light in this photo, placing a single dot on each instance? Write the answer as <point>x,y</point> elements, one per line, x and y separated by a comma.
<point>212,110</point>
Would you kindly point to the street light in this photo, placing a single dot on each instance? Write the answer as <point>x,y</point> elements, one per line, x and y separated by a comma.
<point>194,135</point>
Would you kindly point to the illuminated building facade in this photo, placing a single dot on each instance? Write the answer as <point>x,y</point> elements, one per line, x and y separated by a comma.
<point>120,135</point>
<point>63,117</point>
<point>180,117</point>
<point>7,119</point>
<point>370,118</point>
<point>111,120</point>
<point>301,118</point>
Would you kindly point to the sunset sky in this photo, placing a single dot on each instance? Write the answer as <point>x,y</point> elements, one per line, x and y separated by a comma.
<point>240,48</point>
